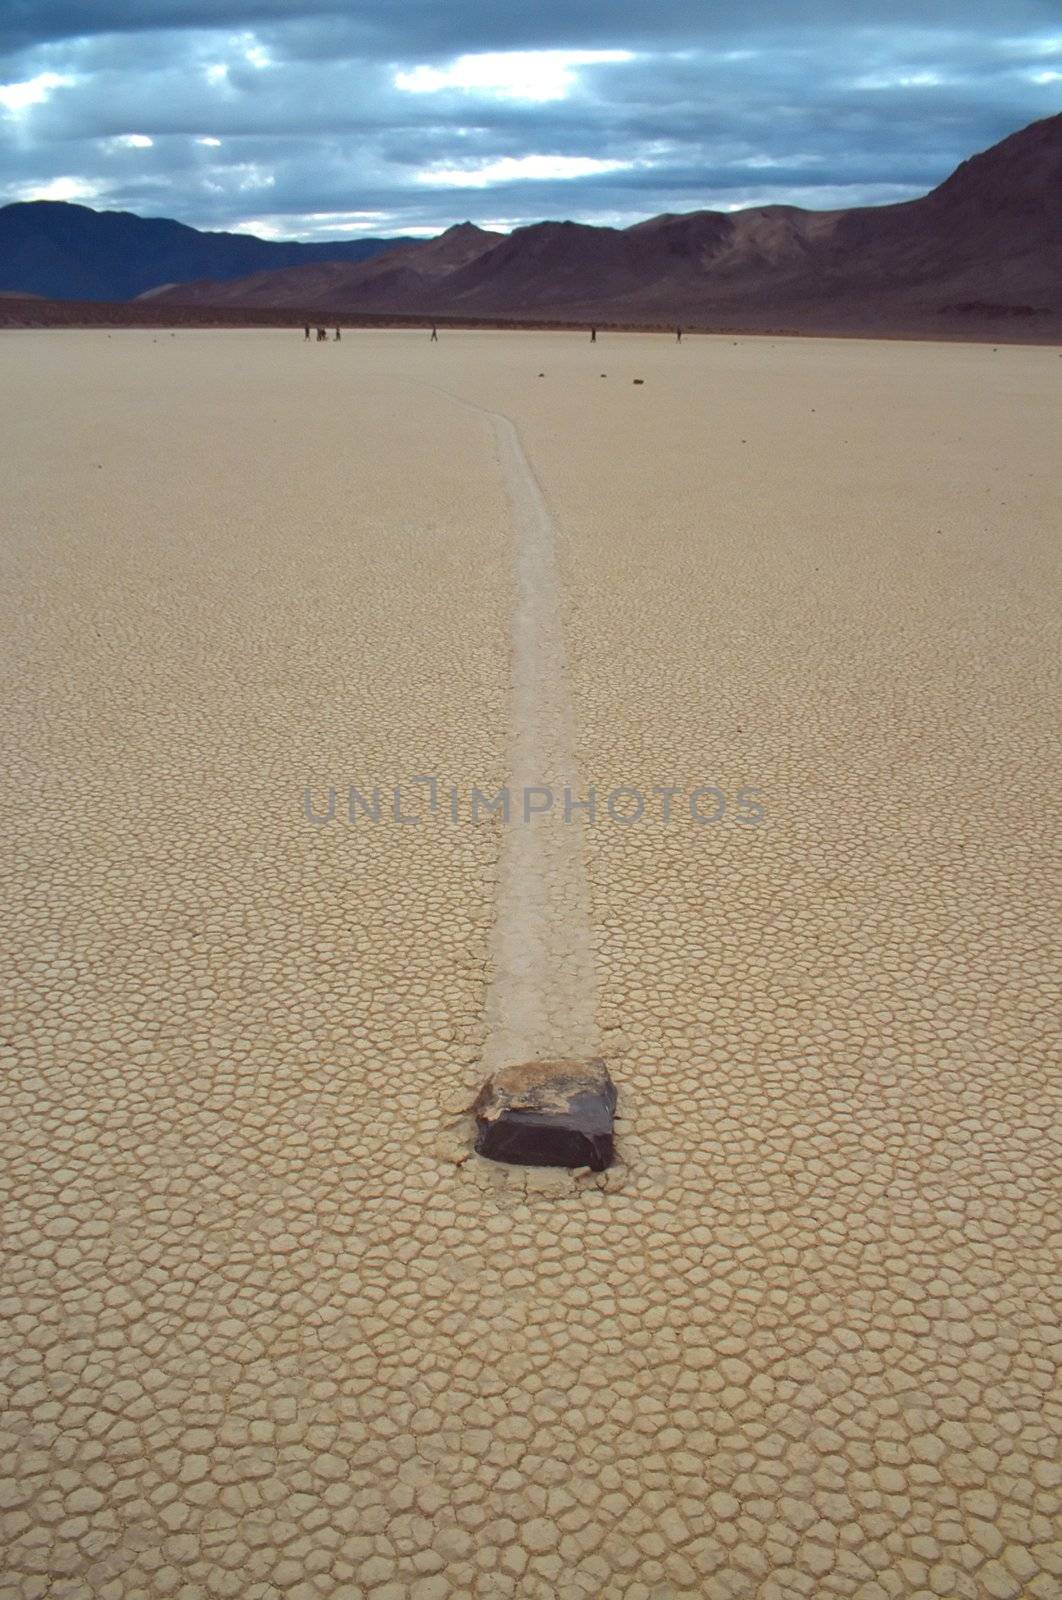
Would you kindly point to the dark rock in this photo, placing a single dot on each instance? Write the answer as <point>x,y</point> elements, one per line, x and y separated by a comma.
<point>548,1114</point>
<point>639,380</point>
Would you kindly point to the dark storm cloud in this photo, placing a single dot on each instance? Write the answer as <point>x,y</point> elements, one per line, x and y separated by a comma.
<point>305,119</point>
<point>428,25</point>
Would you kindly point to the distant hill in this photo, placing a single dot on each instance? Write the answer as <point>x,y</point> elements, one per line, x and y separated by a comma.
<point>985,245</point>
<point>412,274</point>
<point>70,252</point>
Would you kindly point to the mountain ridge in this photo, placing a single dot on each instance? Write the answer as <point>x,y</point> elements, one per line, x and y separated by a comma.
<point>989,234</point>
<point>61,250</point>
<point>982,248</point>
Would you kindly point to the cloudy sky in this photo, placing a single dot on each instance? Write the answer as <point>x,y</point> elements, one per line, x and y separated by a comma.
<point>334,119</point>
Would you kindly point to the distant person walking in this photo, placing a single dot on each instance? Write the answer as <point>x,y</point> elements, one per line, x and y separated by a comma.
<point>337,335</point>
<point>593,335</point>
<point>321,334</point>
<point>306,332</point>
<point>678,335</point>
<point>434,336</point>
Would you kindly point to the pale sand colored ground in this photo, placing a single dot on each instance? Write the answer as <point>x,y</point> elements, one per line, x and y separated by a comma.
<point>262,1338</point>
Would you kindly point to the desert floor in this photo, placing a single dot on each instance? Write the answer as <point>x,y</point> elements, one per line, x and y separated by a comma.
<point>266,1333</point>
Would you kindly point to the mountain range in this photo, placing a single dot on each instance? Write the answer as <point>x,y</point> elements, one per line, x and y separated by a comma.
<point>989,238</point>
<point>70,252</point>
<point>982,251</point>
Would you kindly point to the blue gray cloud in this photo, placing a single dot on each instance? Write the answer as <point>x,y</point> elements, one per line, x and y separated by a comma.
<point>343,118</point>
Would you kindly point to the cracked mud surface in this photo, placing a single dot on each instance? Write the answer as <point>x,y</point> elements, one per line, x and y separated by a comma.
<point>260,1337</point>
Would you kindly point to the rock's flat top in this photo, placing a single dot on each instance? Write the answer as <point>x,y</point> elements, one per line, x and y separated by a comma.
<point>548,1114</point>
